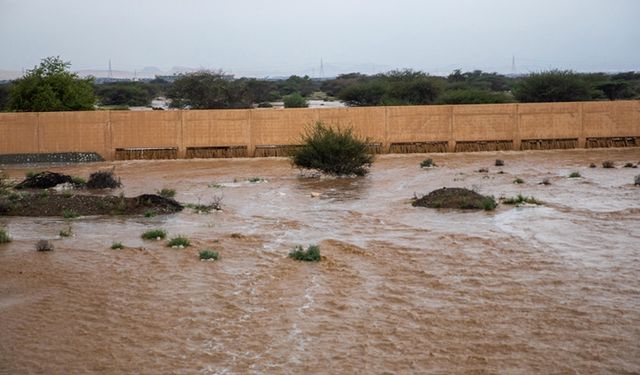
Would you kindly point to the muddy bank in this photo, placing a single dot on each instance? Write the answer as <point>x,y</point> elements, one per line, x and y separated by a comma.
<point>400,290</point>
<point>455,198</point>
<point>72,205</point>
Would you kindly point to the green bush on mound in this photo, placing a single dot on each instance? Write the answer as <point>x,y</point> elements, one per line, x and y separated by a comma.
<point>575,175</point>
<point>154,234</point>
<point>4,236</point>
<point>520,200</point>
<point>311,254</point>
<point>117,246</point>
<point>459,198</point>
<point>209,255</point>
<point>336,152</point>
<point>167,193</point>
<point>179,241</point>
<point>427,163</point>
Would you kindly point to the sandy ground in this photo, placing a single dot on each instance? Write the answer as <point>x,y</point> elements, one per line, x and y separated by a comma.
<point>402,290</point>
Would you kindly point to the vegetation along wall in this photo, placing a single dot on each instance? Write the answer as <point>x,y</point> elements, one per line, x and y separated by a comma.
<point>120,135</point>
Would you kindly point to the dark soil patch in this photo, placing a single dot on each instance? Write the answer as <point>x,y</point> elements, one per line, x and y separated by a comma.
<point>103,180</point>
<point>49,204</point>
<point>44,180</point>
<point>456,198</point>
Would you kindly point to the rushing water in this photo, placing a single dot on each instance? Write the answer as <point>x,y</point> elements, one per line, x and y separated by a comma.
<point>402,290</point>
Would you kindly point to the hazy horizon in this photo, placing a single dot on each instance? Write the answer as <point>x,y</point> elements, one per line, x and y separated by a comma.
<point>251,38</point>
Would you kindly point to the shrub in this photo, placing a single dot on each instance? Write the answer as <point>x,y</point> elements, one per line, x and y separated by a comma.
<point>167,193</point>
<point>44,245</point>
<point>546,181</point>
<point>30,174</point>
<point>636,180</point>
<point>427,163</point>
<point>483,170</point>
<point>295,100</point>
<point>69,214</point>
<point>117,246</point>
<point>311,254</point>
<point>518,181</point>
<point>265,105</point>
<point>149,214</point>
<point>499,163</point>
<point>628,165</point>
<point>215,205</point>
<point>209,255</point>
<point>154,234</point>
<point>608,164</point>
<point>592,165</point>
<point>520,199</point>
<point>254,180</point>
<point>103,180</point>
<point>333,151</point>
<point>78,181</point>
<point>179,242</point>
<point>4,236</point>
<point>66,232</point>
<point>236,235</point>
<point>575,175</point>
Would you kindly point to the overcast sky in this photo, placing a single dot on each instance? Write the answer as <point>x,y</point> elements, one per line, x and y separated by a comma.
<point>281,37</point>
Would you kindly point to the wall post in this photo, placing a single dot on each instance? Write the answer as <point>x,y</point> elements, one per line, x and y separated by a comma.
<point>582,140</point>
<point>451,146</point>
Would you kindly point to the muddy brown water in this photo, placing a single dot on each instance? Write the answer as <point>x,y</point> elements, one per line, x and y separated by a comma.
<point>402,289</point>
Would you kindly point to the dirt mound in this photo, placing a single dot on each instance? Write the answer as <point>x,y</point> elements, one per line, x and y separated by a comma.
<point>153,200</point>
<point>69,206</point>
<point>103,180</point>
<point>44,180</point>
<point>456,198</point>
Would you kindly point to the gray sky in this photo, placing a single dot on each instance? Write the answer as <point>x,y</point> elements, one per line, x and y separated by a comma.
<point>281,37</point>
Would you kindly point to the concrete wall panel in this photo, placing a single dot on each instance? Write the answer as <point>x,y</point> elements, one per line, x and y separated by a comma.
<point>611,119</point>
<point>484,122</point>
<point>280,126</point>
<point>549,120</point>
<point>419,123</point>
<point>152,129</point>
<point>18,133</point>
<point>216,128</point>
<point>73,131</point>
<point>366,122</point>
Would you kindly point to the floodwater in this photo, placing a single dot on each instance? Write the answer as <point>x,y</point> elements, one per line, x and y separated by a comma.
<point>401,290</point>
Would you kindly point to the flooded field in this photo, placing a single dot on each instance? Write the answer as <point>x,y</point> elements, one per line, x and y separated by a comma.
<point>402,290</point>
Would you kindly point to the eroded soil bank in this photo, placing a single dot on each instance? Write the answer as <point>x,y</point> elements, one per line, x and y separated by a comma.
<point>545,289</point>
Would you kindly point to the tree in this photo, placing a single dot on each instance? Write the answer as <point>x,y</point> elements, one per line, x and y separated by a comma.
<point>552,86</point>
<point>473,96</point>
<point>208,90</point>
<point>333,151</point>
<point>4,96</point>
<point>295,100</point>
<point>125,93</point>
<point>51,87</point>
<point>363,94</point>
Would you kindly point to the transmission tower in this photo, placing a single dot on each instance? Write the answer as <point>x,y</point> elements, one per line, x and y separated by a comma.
<point>321,68</point>
<point>513,65</point>
<point>110,71</point>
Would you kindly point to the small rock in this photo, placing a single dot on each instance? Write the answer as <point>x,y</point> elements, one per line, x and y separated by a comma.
<point>158,238</point>
<point>180,247</point>
<point>314,194</point>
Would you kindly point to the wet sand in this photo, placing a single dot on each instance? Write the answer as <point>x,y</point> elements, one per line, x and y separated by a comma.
<point>402,289</point>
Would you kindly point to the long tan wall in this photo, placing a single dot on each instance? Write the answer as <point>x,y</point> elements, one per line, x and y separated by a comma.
<point>510,126</point>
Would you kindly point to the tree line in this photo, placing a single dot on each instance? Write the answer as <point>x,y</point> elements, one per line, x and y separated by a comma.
<point>51,86</point>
